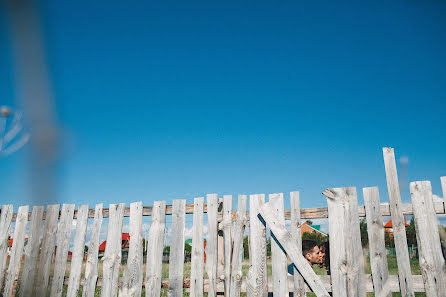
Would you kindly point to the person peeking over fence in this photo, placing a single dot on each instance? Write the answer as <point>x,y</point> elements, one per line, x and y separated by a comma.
<point>311,252</point>
<point>325,256</point>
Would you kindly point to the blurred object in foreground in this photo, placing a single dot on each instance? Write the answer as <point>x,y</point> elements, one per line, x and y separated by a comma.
<point>12,137</point>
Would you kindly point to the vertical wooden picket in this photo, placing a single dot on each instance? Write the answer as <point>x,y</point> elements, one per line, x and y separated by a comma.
<point>63,243</point>
<point>299,283</point>
<point>155,251</point>
<point>91,267</point>
<point>431,259</point>
<point>5,228</point>
<point>112,255</point>
<point>133,273</point>
<point>279,259</point>
<point>257,283</point>
<point>211,243</point>
<point>378,254</point>
<point>399,230</point>
<point>443,187</point>
<point>176,258</point>
<point>346,261</point>
<point>226,226</point>
<point>237,254</point>
<point>31,252</point>
<point>16,251</point>
<point>196,272</point>
<point>47,250</point>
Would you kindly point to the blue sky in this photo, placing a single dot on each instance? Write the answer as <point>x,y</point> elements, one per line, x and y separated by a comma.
<point>160,101</point>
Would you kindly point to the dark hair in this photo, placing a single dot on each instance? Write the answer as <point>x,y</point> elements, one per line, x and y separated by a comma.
<point>326,247</point>
<point>308,246</point>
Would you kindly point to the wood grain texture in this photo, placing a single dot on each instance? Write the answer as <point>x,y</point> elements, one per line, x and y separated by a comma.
<point>237,252</point>
<point>176,258</point>
<point>5,228</point>
<point>346,258</point>
<point>378,253</point>
<point>226,226</point>
<point>295,230</point>
<point>196,272</point>
<point>431,259</point>
<point>112,255</point>
<point>399,230</point>
<point>211,243</point>
<point>133,274</point>
<point>91,267</point>
<point>443,187</point>
<point>155,251</point>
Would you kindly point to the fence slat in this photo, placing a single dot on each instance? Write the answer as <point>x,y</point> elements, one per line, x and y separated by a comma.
<point>279,259</point>
<point>63,243</point>
<point>91,267</point>
<point>226,226</point>
<point>346,258</point>
<point>196,270</point>
<point>399,230</point>
<point>443,187</point>
<point>211,243</point>
<point>431,258</point>
<point>78,251</point>
<point>237,251</point>
<point>286,241</point>
<point>133,273</point>
<point>5,228</point>
<point>299,283</point>
<point>47,249</point>
<point>176,257</point>
<point>16,251</point>
<point>257,274</point>
<point>31,252</point>
<point>112,254</point>
<point>155,251</point>
<point>375,230</point>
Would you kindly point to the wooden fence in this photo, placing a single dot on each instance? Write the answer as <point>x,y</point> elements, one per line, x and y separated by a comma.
<point>37,270</point>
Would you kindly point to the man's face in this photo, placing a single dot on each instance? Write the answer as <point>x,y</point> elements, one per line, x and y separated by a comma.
<point>314,257</point>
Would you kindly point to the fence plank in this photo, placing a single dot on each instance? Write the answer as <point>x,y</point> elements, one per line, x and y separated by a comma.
<point>63,243</point>
<point>299,283</point>
<point>155,252</point>
<point>133,273</point>
<point>378,254</point>
<point>91,267</point>
<point>237,254</point>
<point>112,254</point>
<point>196,272</point>
<point>31,252</point>
<point>16,251</point>
<point>286,241</point>
<point>226,226</point>
<point>5,228</point>
<point>443,187</point>
<point>431,259</point>
<point>346,261</point>
<point>47,249</point>
<point>279,259</point>
<point>257,274</point>
<point>399,230</point>
<point>176,258</point>
<point>211,243</point>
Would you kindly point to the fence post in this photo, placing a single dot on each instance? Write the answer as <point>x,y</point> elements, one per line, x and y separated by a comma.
<point>211,243</point>
<point>5,228</point>
<point>237,251</point>
<point>226,226</point>
<point>299,284</point>
<point>196,273</point>
<point>176,257</point>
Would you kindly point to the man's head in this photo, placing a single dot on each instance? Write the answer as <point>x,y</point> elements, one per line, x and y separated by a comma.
<point>310,250</point>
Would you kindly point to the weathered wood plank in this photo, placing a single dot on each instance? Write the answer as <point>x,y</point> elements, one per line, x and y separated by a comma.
<point>211,243</point>
<point>257,274</point>
<point>47,250</point>
<point>5,228</point>
<point>399,230</point>
<point>31,252</point>
<point>431,258</point>
<point>346,261</point>
<point>63,243</point>
<point>375,230</point>
<point>237,254</point>
<point>285,240</point>
<point>78,251</point>
<point>279,259</point>
<point>133,273</point>
<point>91,267</point>
<point>112,254</point>
<point>196,272</point>
<point>176,258</point>
<point>16,251</point>
<point>155,251</point>
<point>295,230</point>
<point>226,226</point>
<point>443,187</point>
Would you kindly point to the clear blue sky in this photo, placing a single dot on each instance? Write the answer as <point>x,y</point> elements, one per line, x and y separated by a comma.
<point>176,99</point>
